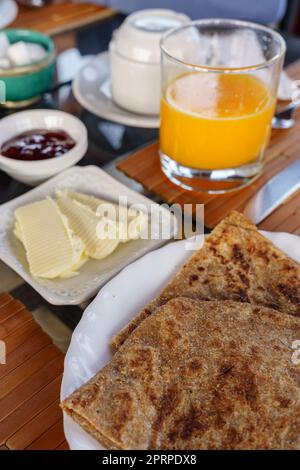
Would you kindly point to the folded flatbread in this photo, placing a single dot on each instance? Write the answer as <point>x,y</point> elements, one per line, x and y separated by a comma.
<point>198,375</point>
<point>237,263</point>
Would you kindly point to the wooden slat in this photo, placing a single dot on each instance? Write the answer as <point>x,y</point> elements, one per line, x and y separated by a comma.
<point>284,148</point>
<point>281,214</point>
<point>290,224</point>
<point>30,382</point>
<point>26,370</point>
<point>14,340</point>
<point>29,408</point>
<point>35,427</point>
<point>25,351</point>
<point>5,298</point>
<point>51,439</point>
<point>63,446</point>
<point>58,18</point>
<point>14,322</point>
<point>9,309</point>
<point>34,384</point>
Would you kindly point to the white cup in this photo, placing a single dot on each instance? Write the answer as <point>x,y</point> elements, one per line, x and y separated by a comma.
<point>134,53</point>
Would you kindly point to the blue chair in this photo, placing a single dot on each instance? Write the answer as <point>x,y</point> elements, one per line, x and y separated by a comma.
<point>263,11</point>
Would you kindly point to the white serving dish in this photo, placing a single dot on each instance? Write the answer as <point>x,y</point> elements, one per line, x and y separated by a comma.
<point>135,59</point>
<point>95,273</point>
<point>35,172</point>
<point>115,306</point>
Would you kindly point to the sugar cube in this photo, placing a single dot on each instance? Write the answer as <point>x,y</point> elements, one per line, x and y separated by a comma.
<point>4,45</point>
<point>19,54</point>
<point>4,63</point>
<point>36,52</point>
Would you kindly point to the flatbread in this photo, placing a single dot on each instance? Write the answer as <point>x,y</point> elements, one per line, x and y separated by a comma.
<point>198,375</point>
<point>237,263</point>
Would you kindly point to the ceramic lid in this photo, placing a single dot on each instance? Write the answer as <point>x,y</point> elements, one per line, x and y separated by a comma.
<point>139,35</point>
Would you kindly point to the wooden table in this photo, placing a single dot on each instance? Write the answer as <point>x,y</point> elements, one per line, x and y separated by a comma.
<point>60,16</point>
<point>61,20</point>
<point>30,416</point>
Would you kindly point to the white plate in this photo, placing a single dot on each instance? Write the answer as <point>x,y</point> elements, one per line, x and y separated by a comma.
<point>91,88</point>
<point>95,273</point>
<point>8,12</point>
<point>114,307</point>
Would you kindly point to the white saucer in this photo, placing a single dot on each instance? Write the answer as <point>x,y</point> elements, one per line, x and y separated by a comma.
<point>8,12</point>
<point>91,88</point>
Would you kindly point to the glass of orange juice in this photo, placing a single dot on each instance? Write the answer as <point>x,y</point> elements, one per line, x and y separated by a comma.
<point>219,88</point>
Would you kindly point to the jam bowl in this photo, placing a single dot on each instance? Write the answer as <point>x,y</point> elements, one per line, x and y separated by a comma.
<point>60,134</point>
<point>24,84</point>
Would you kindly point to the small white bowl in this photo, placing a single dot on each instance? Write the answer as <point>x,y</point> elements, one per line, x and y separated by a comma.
<point>35,172</point>
<point>135,59</point>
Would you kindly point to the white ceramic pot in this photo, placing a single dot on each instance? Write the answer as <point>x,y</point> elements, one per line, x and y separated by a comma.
<point>134,55</point>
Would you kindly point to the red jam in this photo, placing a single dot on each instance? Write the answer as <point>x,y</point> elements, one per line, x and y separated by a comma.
<point>38,144</point>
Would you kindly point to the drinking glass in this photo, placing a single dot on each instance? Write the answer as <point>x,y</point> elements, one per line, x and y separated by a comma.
<point>219,88</point>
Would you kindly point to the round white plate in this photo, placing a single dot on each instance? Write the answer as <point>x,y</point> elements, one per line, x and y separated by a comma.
<point>8,12</point>
<point>91,88</point>
<point>117,302</point>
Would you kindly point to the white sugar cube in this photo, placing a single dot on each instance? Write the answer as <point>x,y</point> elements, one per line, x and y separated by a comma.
<point>4,45</point>
<point>4,63</point>
<point>23,53</point>
<point>19,54</point>
<point>36,52</point>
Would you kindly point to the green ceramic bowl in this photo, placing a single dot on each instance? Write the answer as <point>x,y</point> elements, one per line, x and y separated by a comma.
<point>22,86</point>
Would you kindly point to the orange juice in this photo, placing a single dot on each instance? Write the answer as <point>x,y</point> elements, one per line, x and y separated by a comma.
<point>215,121</point>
